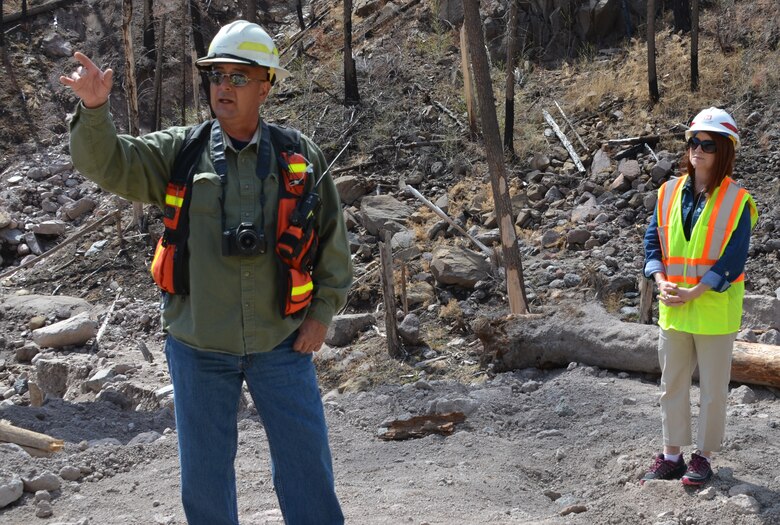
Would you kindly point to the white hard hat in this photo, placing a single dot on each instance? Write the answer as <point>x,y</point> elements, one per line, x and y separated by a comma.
<point>717,120</point>
<point>243,42</point>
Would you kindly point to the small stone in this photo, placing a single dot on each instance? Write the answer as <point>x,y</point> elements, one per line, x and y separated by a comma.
<point>573,509</point>
<point>44,510</point>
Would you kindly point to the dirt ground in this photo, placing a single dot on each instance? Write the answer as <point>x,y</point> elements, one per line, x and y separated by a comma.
<point>561,446</point>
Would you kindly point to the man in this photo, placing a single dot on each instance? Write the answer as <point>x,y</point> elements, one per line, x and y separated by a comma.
<point>227,327</point>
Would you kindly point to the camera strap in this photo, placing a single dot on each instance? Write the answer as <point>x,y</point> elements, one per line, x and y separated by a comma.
<point>262,167</point>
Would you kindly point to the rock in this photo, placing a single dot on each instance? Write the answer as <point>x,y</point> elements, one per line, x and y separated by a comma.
<point>409,330</point>
<point>109,395</point>
<point>707,493</point>
<point>60,306</point>
<point>551,238</point>
<point>443,406</point>
<point>76,209</point>
<point>52,376</point>
<point>770,337</point>
<point>585,211</point>
<point>74,331</point>
<point>101,377</point>
<point>742,488</point>
<point>601,163</point>
<point>376,210</point>
<point>26,353</point>
<point>45,480</point>
<point>70,473</point>
<point>11,488</point>
<point>540,162</point>
<point>761,312</point>
<point>55,46</point>
<point>743,395</point>
<point>53,228</point>
<point>352,187</point>
<point>344,328</point>
<point>744,504</point>
<point>43,510</point>
<point>144,438</point>
<point>459,266</point>
<point>578,236</point>
<point>573,509</point>
<point>630,169</point>
<point>661,171</point>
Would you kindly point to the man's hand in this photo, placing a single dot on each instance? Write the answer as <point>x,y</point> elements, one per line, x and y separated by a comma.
<point>311,335</point>
<point>89,83</point>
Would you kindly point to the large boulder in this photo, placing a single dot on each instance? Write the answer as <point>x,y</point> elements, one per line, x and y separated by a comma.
<point>459,266</point>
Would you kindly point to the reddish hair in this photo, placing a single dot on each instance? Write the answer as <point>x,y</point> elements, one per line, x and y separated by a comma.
<point>724,161</point>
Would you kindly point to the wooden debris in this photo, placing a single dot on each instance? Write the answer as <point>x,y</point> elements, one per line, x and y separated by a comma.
<point>651,140</point>
<point>571,127</point>
<point>564,141</point>
<point>35,443</point>
<point>421,426</point>
<point>394,347</point>
<point>83,231</point>
<point>102,330</point>
<point>487,251</point>
<point>145,351</point>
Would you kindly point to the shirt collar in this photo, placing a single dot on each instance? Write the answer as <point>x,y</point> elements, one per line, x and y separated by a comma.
<point>229,141</point>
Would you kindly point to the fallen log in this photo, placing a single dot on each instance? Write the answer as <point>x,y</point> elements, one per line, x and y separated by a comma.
<point>588,334</point>
<point>35,443</point>
<point>420,426</point>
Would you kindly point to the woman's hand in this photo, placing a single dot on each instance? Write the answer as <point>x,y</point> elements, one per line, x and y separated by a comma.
<point>89,83</point>
<point>679,296</point>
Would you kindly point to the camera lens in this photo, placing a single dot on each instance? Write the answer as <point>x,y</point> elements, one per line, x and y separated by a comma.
<point>247,240</point>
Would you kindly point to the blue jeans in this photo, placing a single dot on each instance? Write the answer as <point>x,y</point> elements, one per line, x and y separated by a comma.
<point>283,384</point>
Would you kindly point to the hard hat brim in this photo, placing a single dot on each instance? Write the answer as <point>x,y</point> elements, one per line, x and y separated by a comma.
<point>207,61</point>
<point>712,129</point>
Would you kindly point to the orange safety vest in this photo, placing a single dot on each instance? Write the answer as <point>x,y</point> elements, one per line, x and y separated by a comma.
<point>296,241</point>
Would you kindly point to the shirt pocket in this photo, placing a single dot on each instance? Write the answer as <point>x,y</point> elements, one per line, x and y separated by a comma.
<point>206,193</point>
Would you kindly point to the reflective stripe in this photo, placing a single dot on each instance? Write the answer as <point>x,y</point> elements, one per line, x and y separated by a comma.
<point>257,46</point>
<point>173,200</point>
<point>666,199</point>
<point>298,167</point>
<point>302,289</point>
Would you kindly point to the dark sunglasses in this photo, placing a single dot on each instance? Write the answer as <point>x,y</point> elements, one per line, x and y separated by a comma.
<point>707,146</point>
<point>235,79</point>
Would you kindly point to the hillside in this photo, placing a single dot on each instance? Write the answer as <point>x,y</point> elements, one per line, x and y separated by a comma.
<point>538,446</point>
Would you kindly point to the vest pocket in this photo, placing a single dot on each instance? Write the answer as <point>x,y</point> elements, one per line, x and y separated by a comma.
<point>206,192</point>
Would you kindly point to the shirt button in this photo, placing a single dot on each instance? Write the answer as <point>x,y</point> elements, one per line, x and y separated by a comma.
<point>247,274</point>
<point>246,214</point>
<point>246,187</point>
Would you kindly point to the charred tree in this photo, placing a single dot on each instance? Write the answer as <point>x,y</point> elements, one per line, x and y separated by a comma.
<point>518,303</point>
<point>131,93</point>
<point>351,94</point>
<point>652,77</point>
<point>695,47</point>
<point>250,10</point>
<point>148,28</point>
<point>158,73</point>
<point>511,50</point>
<point>682,15</point>
<point>199,45</point>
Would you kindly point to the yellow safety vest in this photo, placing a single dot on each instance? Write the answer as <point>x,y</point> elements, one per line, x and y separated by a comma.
<point>686,261</point>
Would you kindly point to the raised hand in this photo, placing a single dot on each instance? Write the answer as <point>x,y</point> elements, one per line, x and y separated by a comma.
<point>88,82</point>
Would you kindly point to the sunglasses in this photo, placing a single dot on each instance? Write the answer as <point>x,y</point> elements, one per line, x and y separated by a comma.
<point>707,146</point>
<point>235,79</point>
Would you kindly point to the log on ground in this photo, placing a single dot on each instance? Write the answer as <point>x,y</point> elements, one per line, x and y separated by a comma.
<point>588,334</point>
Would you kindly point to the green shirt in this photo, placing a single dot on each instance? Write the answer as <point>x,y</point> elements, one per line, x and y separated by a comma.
<point>233,304</point>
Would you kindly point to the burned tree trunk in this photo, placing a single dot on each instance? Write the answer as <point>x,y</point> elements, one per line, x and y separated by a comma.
<point>682,15</point>
<point>652,78</point>
<point>131,92</point>
<point>148,27</point>
<point>495,158</point>
<point>351,95</point>
<point>511,49</point>
<point>589,335</point>
<point>695,47</point>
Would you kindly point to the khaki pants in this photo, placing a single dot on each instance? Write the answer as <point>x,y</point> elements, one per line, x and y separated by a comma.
<point>678,353</point>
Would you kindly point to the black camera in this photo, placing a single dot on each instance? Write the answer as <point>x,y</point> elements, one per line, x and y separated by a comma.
<point>244,240</point>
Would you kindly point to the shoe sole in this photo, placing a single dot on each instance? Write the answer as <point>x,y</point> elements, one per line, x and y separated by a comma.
<point>694,483</point>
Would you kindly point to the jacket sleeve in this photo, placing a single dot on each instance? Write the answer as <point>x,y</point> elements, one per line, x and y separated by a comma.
<point>332,273</point>
<point>137,168</point>
<point>653,255</point>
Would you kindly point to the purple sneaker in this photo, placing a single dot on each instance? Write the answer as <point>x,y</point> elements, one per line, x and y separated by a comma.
<point>699,471</point>
<point>664,469</point>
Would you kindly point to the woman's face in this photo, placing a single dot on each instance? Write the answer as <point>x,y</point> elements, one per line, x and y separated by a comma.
<point>702,161</point>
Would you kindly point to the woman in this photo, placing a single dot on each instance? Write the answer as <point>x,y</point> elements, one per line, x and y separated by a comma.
<point>695,250</point>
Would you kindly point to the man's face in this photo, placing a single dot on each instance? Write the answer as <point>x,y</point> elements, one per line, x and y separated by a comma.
<point>238,106</point>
